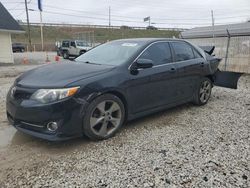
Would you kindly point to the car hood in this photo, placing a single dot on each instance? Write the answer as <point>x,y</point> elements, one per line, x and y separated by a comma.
<point>84,47</point>
<point>60,74</point>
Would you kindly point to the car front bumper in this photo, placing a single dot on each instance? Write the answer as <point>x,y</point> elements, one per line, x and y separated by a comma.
<point>32,118</point>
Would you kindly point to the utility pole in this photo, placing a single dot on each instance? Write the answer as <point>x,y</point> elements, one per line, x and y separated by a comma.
<point>212,14</point>
<point>109,17</point>
<point>41,21</point>
<point>109,33</point>
<point>28,23</point>
<point>41,27</point>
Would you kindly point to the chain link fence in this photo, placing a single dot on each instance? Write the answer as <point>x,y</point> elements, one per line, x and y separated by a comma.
<point>234,51</point>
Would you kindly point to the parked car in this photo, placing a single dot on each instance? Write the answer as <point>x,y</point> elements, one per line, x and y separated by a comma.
<point>73,48</point>
<point>18,47</point>
<point>125,27</point>
<point>112,83</point>
<point>151,28</point>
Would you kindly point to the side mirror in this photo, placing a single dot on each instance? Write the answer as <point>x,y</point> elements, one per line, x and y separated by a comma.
<point>144,63</point>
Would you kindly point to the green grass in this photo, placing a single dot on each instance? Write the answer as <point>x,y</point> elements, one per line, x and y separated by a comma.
<point>52,34</point>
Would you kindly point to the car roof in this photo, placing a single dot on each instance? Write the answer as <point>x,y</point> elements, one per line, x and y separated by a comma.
<point>148,40</point>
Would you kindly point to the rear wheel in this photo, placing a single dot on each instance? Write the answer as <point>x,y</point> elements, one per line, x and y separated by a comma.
<point>104,116</point>
<point>203,92</point>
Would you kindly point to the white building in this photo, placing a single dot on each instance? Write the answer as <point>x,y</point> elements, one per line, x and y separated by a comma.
<point>8,25</point>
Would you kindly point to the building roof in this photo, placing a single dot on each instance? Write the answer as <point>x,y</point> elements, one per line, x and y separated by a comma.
<point>240,29</point>
<point>7,22</point>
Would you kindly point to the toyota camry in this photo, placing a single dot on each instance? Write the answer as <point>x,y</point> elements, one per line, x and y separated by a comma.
<point>112,83</point>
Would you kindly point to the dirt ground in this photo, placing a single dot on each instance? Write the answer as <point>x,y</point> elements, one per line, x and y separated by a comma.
<point>187,146</point>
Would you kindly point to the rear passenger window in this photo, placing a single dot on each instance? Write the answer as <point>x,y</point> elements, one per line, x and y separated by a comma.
<point>159,53</point>
<point>183,51</point>
<point>197,54</point>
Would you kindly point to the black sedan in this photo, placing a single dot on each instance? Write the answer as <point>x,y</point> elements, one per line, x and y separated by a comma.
<point>18,47</point>
<point>110,84</point>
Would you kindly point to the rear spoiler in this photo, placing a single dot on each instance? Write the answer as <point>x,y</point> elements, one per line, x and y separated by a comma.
<point>208,49</point>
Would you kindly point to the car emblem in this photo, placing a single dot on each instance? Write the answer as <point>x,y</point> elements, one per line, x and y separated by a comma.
<point>12,92</point>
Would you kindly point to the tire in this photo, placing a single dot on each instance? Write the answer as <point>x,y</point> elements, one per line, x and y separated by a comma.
<point>82,52</point>
<point>203,92</point>
<point>104,117</point>
<point>65,55</point>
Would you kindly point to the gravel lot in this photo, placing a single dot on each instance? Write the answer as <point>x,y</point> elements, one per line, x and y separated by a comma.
<point>186,146</point>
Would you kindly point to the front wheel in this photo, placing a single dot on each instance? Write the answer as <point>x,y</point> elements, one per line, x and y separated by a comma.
<point>203,92</point>
<point>82,52</point>
<point>65,55</point>
<point>104,116</point>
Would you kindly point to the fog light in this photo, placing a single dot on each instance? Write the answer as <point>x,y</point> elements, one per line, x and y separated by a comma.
<point>52,126</point>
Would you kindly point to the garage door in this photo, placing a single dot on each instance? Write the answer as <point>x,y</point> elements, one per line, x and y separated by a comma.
<point>6,55</point>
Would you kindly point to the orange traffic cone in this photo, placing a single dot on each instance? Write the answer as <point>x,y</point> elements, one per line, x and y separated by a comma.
<point>57,58</point>
<point>25,61</point>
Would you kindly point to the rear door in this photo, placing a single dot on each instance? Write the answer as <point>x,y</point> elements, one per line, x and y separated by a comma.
<point>191,66</point>
<point>72,48</point>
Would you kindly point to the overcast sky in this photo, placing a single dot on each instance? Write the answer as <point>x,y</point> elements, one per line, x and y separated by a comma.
<point>163,13</point>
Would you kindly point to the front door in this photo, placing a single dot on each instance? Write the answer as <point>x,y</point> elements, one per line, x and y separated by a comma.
<point>154,87</point>
<point>72,49</point>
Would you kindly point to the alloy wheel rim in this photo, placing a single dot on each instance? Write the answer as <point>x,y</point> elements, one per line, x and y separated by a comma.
<point>205,91</point>
<point>105,118</point>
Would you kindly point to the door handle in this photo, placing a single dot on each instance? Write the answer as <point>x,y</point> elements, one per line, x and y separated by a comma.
<point>202,64</point>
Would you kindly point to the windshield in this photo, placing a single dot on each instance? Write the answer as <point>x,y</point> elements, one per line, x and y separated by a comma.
<point>81,43</point>
<point>112,53</point>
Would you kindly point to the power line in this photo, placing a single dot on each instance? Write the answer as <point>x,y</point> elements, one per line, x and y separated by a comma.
<point>15,9</point>
<point>139,19</point>
<point>127,21</point>
<point>163,7</point>
<point>20,13</point>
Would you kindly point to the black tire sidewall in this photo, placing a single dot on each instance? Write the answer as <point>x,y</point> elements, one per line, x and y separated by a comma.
<point>65,55</point>
<point>86,125</point>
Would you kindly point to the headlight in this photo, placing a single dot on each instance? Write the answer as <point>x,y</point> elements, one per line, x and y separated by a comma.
<point>51,95</point>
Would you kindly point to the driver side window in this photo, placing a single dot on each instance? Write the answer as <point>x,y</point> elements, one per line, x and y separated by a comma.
<point>159,53</point>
